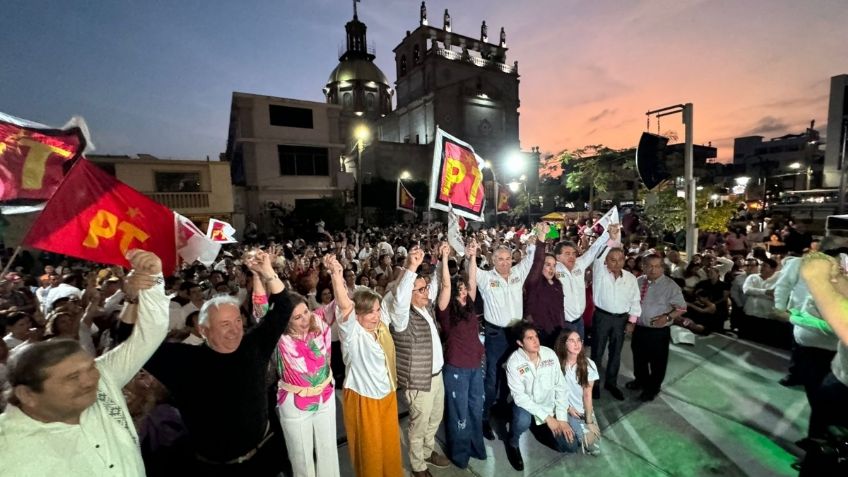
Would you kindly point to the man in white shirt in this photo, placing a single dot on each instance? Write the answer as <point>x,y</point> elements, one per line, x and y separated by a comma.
<point>503,306</point>
<point>539,394</point>
<point>419,362</point>
<point>67,414</point>
<point>677,266</point>
<point>617,304</point>
<point>571,271</point>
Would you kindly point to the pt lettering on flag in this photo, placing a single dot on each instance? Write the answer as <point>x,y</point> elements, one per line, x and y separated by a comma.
<point>220,231</point>
<point>457,178</point>
<point>405,201</point>
<point>34,158</point>
<point>96,217</point>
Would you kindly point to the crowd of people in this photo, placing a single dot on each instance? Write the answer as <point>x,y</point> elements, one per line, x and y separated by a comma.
<point>234,368</point>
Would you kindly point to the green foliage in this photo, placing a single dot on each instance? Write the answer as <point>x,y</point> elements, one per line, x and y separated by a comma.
<point>595,168</point>
<point>668,212</point>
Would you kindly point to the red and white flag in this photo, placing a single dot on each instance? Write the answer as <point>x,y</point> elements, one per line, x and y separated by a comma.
<point>221,232</point>
<point>192,244</point>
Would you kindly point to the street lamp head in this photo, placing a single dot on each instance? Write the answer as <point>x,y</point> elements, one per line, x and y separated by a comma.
<point>795,165</point>
<point>361,133</point>
<point>743,181</point>
<point>487,164</point>
<point>515,162</point>
<point>513,186</point>
<point>405,175</point>
<point>522,178</point>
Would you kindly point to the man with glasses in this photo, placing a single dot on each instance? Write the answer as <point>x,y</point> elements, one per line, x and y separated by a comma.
<point>419,361</point>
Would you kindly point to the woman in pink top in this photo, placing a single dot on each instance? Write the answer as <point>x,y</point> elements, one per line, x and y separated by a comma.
<point>306,403</point>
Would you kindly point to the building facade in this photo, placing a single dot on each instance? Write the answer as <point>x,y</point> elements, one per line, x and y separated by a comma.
<point>837,130</point>
<point>786,163</point>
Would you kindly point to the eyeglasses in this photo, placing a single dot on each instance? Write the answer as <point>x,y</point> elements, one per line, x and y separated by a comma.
<point>422,289</point>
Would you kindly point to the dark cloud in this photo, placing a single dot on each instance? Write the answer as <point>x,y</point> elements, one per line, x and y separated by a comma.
<point>768,125</point>
<point>603,114</point>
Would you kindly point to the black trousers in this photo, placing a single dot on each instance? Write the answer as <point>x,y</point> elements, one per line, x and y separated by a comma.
<point>828,407</point>
<point>650,356</point>
<point>609,329</point>
<point>811,365</point>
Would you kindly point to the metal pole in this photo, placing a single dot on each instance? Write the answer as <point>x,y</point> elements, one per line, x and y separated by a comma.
<point>691,230</point>
<point>11,260</point>
<point>529,220</point>
<point>842,168</point>
<point>359,183</point>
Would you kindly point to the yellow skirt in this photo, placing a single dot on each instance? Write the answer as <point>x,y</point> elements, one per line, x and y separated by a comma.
<point>373,435</point>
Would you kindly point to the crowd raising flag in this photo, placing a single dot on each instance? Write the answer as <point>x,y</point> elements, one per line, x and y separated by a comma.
<point>405,201</point>
<point>503,199</point>
<point>221,232</point>
<point>457,178</point>
<point>96,217</point>
<point>35,158</point>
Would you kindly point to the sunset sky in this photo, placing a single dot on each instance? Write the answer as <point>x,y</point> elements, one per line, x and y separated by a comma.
<point>157,77</point>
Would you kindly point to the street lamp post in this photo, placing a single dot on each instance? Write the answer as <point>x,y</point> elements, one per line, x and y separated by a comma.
<point>361,134</point>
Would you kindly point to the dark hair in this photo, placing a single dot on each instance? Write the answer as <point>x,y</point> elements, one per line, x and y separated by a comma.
<point>563,244</point>
<point>770,262</point>
<point>561,348</point>
<point>520,330</point>
<point>191,319</point>
<point>459,312</point>
<point>15,317</point>
<point>27,365</point>
<point>188,285</point>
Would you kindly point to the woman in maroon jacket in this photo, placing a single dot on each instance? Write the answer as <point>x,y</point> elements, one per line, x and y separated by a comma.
<point>543,294</point>
<point>463,373</point>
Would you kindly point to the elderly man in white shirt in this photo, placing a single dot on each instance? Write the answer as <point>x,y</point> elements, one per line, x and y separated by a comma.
<point>760,322</point>
<point>571,271</point>
<point>503,306</point>
<point>617,305</point>
<point>67,413</point>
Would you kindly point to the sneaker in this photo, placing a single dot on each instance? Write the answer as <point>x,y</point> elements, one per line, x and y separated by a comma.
<point>514,456</point>
<point>438,460</point>
<point>594,450</point>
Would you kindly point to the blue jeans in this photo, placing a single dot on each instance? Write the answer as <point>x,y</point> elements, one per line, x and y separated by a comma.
<point>522,420</point>
<point>464,404</point>
<point>497,347</point>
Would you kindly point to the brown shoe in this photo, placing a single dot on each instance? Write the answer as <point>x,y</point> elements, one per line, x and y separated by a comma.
<point>438,460</point>
<point>422,473</point>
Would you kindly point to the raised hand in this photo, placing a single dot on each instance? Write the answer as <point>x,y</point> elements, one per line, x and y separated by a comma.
<point>414,259</point>
<point>332,265</point>
<point>444,250</point>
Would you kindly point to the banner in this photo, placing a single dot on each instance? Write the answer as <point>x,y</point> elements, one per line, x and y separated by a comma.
<point>503,199</point>
<point>405,201</point>
<point>192,244</point>
<point>457,178</point>
<point>455,224</point>
<point>96,217</point>
<point>35,158</point>
<point>221,232</point>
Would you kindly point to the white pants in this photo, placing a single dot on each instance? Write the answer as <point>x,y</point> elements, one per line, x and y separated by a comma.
<point>305,431</point>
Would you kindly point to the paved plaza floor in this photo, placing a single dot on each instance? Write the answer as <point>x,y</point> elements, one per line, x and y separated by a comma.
<point>721,413</point>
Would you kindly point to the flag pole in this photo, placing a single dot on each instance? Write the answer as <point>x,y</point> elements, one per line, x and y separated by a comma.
<point>11,260</point>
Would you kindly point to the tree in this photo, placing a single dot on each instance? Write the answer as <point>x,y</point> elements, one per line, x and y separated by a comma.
<point>594,168</point>
<point>668,211</point>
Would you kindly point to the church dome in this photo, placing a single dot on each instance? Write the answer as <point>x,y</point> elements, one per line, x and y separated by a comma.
<point>357,70</point>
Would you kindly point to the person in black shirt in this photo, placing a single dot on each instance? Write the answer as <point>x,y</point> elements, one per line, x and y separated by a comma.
<point>219,386</point>
<point>709,305</point>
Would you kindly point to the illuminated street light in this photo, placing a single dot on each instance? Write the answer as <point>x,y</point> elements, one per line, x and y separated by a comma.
<point>514,185</point>
<point>742,181</point>
<point>405,175</point>
<point>795,165</point>
<point>515,163</point>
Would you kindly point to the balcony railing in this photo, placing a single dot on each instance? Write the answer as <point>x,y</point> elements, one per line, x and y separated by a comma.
<point>453,55</point>
<point>182,200</point>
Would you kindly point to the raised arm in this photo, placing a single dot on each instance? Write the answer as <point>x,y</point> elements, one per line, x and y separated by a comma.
<point>145,286</point>
<point>344,302</point>
<point>395,306</point>
<point>471,254</point>
<point>445,282</point>
<point>825,280</point>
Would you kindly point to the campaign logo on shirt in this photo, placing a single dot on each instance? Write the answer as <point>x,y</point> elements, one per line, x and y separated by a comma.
<point>494,284</point>
<point>523,369</point>
<point>560,274</point>
<point>514,280</point>
<point>547,363</point>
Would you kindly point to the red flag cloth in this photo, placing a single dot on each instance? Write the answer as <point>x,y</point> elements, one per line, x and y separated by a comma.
<point>457,178</point>
<point>405,201</point>
<point>96,217</point>
<point>503,200</point>
<point>33,160</point>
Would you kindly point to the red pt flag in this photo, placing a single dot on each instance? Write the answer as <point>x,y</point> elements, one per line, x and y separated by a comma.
<point>96,217</point>
<point>405,201</point>
<point>457,178</point>
<point>503,199</point>
<point>35,158</point>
